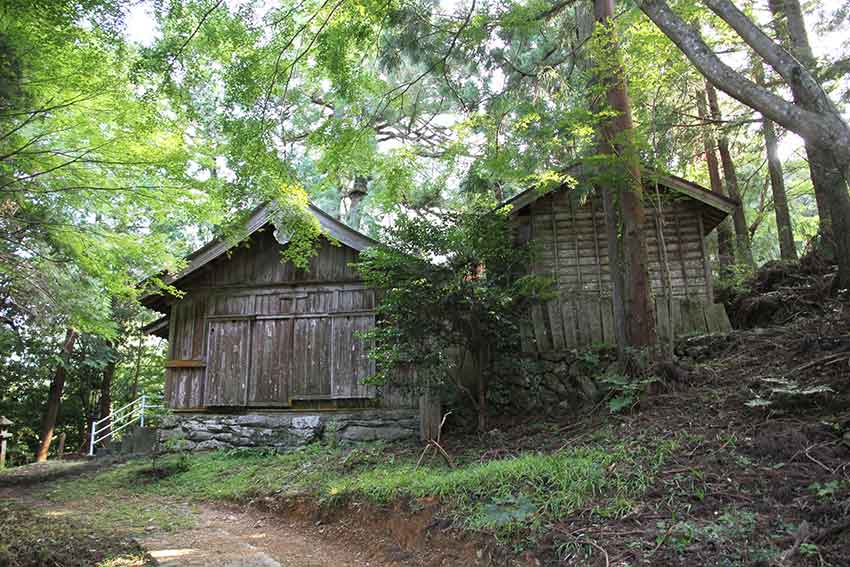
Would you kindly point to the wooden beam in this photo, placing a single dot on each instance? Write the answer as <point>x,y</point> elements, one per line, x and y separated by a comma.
<point>575,241</point>
<point>554,306</point>
<point>185,363</point>
<point>303,315</point>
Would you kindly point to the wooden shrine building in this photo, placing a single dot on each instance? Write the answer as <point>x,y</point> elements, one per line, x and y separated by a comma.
<point>252,331</point>
<point>573,237</point>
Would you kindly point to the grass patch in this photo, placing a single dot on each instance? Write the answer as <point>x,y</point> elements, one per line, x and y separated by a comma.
<point>508,496</point>
<point>114,500</point>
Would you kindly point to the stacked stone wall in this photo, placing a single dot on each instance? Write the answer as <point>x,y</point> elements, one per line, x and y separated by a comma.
<point>207,431</point>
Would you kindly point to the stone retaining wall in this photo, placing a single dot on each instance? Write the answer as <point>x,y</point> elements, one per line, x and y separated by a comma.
<point>552,384</point>
<point>200,431</point>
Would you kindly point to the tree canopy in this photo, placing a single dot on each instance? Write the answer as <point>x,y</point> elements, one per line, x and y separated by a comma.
<point>120,156</point>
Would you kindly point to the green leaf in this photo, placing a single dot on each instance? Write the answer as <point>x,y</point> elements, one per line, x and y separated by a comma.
<point>620,403</point>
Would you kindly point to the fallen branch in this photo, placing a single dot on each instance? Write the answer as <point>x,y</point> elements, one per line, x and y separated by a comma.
<point>600,548</point>
<point>827,533</point>
<point>831,359</point>
<point>801,536</point>
<point>434,445</point>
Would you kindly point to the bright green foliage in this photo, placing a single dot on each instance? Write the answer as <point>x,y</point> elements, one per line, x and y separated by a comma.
<point>93,179</point>
<point>293,94</point>
<point>435,105</point>
<point>453,284</point>
<point>97,192</point>
<point>290,212</point>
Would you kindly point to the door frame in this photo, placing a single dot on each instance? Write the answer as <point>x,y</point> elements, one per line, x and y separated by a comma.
<point>210,319</point>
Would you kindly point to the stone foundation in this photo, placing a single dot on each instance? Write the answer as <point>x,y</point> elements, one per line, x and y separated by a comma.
<point>200,431</point>
<point>552,384</point>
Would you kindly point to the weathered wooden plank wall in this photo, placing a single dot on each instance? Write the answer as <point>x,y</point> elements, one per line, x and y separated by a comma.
<point>184,386</point>
<point>257,262</point>
<point>574,245</point>
<point>272,369</point>
<point>574,251</point>
<point>589,321</point>
<point>254,332</point>
<point>227,362</point>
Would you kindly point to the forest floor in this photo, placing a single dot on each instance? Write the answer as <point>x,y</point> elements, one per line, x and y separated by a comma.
<point>744,459</point>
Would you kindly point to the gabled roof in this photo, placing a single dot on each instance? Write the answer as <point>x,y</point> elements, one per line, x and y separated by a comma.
<point>259,218</point>
<point>716,206</point>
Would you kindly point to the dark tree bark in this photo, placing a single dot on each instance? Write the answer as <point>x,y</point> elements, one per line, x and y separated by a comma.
<point>825,173</point>
<point>105,403</point>
<point>358,192</point>
<point>51,412</point>
<point>813,115</point>
<point>615,259</point>
<point>724,232</point>
<point>743,251</point>
<point>824,128</point>
<point>787,248</point>
<point>617,140</point>
<point>585,22</point>
<point>784,228</point>
<point>789,23</point>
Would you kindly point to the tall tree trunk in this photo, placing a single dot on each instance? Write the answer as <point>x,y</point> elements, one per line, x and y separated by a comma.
<point>787,248</point>
<point>724,231</point>
<point>813,115</point>
<point>358,192</point>
<point>616,264</point>
<point>585,22</point>
<point>617,140</point>
<point>51,412</point>
<point>784,228</point>
<point>105,405</point>
<point>829,173</point>
<point>791,31</point>
<point>823,126</point>
<point>87,416</point>
<point>743,251</point>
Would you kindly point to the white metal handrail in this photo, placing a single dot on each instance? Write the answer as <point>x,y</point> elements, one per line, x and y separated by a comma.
<point>119,419</point>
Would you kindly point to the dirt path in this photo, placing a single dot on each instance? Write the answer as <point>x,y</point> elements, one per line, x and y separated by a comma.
<point>245,538</point>
<point>220,536</point>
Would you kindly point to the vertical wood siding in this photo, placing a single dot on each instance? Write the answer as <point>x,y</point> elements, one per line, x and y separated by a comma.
<point>272,368</point>
<point>184,387</point>
<point>574,252</point>
<point>574,245</point>
<point>229,349</point>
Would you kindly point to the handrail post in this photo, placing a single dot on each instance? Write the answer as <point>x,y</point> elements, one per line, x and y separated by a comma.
<point>142,420</point>
<point>91,441</point>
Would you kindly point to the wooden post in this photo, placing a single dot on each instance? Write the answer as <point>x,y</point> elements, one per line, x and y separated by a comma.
<point>4,434</point>
<point>429,415</point>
